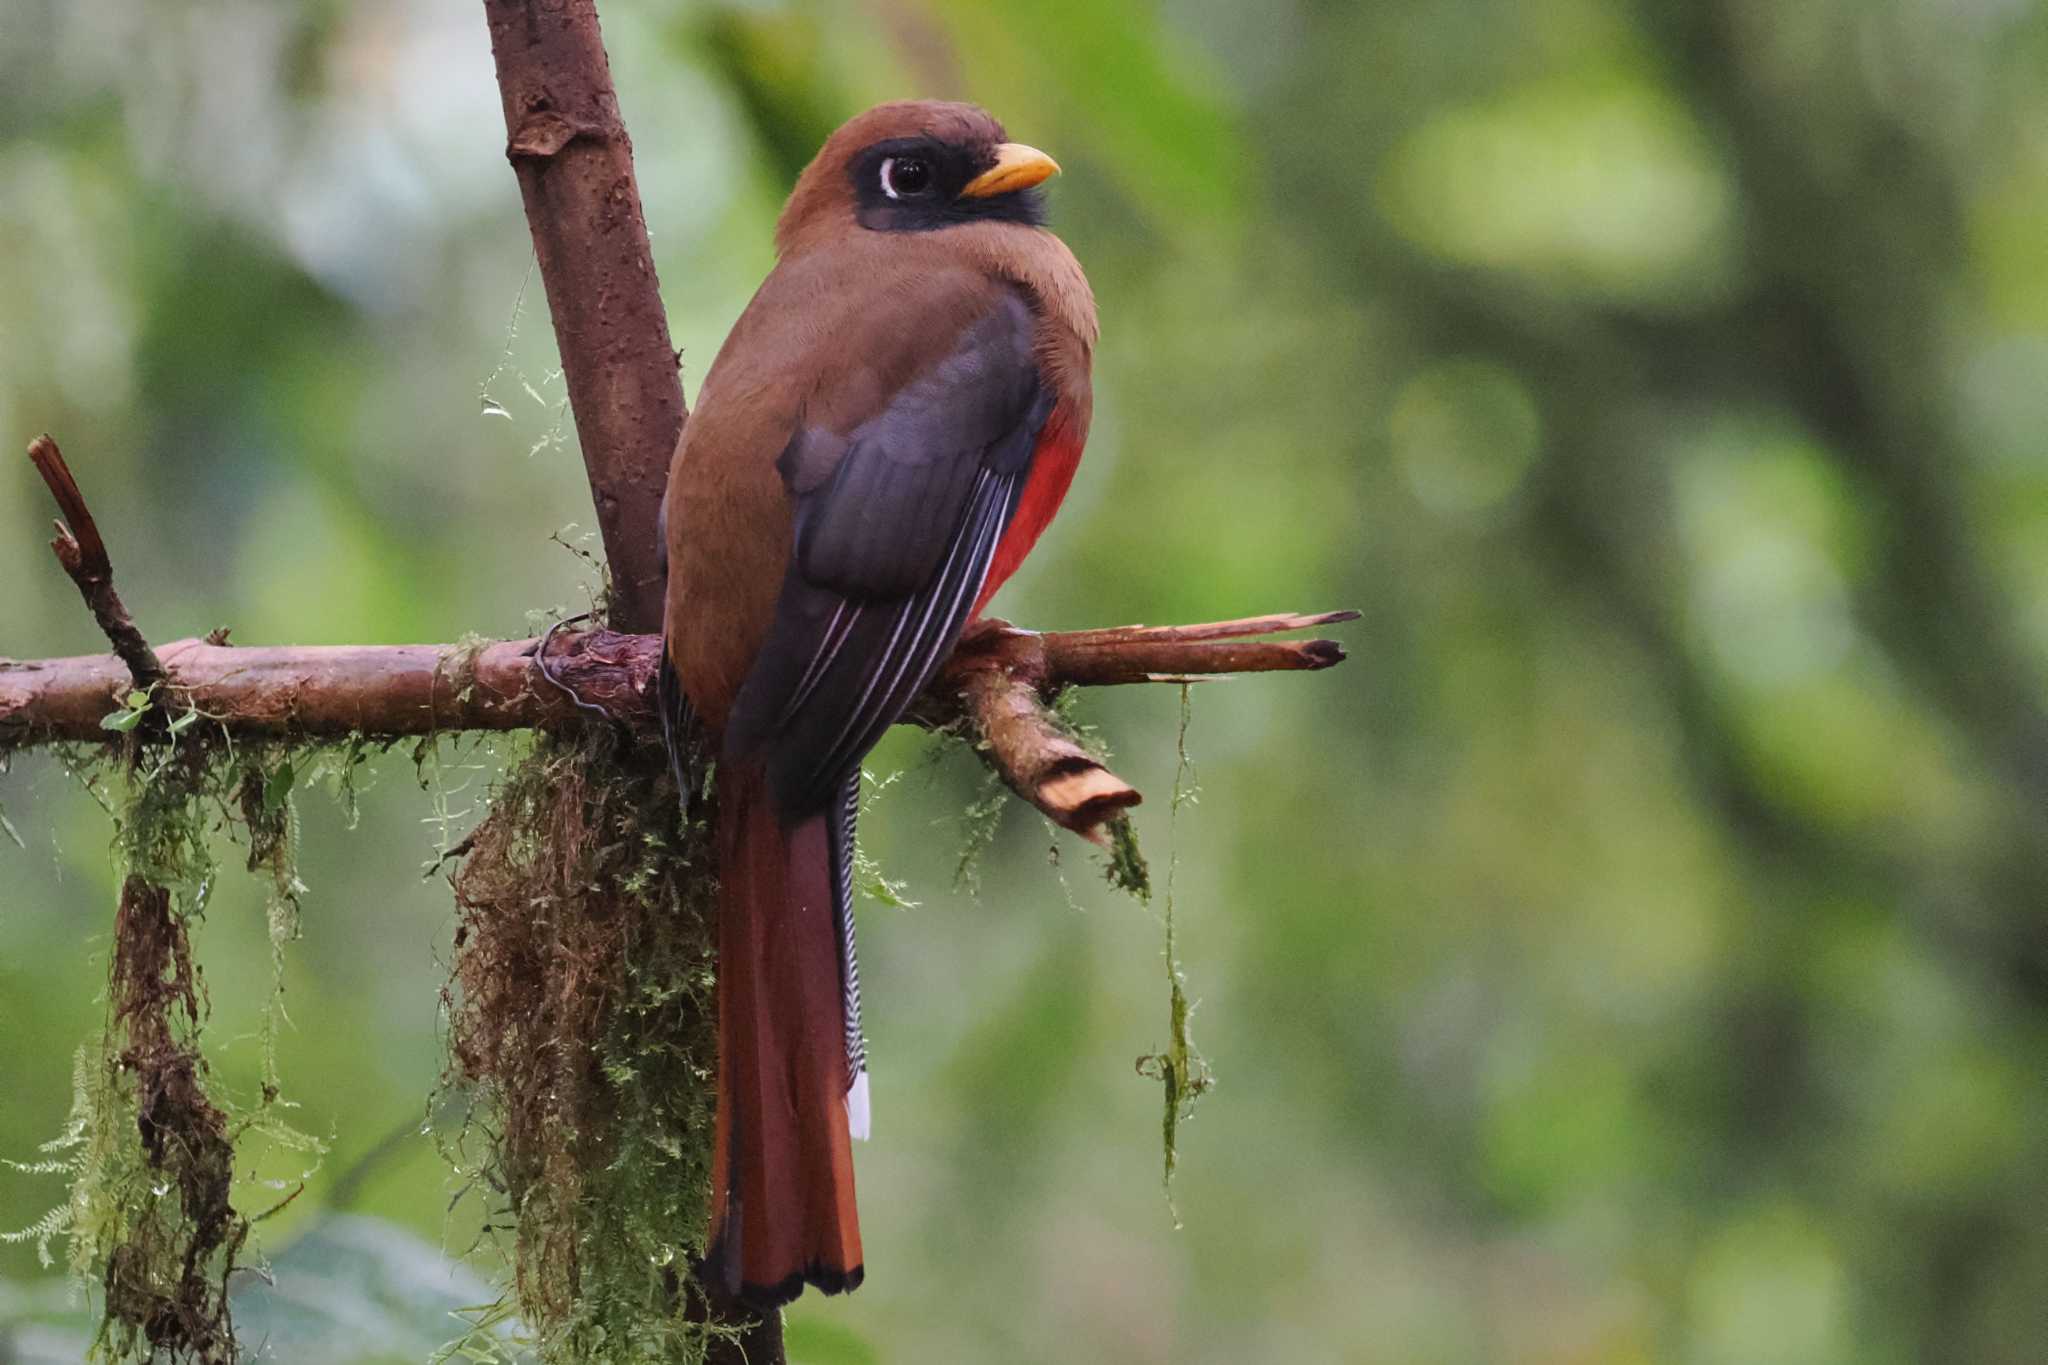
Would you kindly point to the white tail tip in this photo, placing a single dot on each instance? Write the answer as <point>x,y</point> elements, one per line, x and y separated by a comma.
<point>857,1108</point>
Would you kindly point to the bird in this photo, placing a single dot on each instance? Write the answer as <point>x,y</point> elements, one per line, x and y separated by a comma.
<point>885,433</point>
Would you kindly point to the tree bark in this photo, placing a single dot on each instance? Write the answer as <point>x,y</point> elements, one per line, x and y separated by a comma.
<point>569,148</point>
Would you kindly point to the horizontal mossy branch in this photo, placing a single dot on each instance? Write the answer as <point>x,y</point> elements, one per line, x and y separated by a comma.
<point>998,682</point>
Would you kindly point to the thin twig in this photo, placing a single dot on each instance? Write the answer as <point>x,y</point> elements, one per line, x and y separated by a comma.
<point>83,554</point>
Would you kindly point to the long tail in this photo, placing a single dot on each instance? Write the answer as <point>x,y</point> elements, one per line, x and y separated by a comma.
<point>782,1212</point>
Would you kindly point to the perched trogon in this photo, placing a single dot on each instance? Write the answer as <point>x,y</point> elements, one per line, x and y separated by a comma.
<point>893,421</point>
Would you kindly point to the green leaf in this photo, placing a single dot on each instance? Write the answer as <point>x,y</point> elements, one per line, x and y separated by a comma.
<point>124,720</point>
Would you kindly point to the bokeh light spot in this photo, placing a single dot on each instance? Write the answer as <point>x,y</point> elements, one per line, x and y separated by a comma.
<point>1464,433</point>
<point>1600,184</point>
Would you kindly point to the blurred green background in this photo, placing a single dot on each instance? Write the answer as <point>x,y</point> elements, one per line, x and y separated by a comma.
<point>1638,952</point>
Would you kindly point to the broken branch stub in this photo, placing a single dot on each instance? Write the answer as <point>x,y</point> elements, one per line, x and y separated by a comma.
<point>83,555</point>
<point>1039,760</point>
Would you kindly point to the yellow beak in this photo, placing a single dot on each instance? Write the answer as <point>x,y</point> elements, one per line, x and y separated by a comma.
<point>1017,167</point>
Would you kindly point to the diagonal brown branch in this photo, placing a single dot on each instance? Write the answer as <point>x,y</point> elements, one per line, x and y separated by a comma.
<point>569,148</point>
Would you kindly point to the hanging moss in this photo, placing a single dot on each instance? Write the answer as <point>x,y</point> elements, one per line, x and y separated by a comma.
<point>272,821</point>
<point>150,1146</point>
<point>1182,1072</point>
<point>979,824</point>
<point>582,1011</point>
<point>1125,868</point>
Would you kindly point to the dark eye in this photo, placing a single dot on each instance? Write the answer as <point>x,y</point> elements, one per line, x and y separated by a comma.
<point>903,176</point>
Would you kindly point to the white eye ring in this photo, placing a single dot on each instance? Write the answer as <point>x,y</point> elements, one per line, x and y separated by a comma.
<point>889,177</point>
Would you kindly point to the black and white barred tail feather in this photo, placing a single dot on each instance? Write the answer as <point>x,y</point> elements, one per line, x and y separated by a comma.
<point>841,818</point>
<point>677,721</point>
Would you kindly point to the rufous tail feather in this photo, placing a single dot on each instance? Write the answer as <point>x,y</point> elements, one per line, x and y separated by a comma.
<point>782,1212</point>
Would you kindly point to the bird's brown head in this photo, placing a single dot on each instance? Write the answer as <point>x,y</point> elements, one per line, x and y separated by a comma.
<point>915,166</point>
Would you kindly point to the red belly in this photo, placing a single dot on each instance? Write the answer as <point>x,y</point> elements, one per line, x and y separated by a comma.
<point>1052,470</point>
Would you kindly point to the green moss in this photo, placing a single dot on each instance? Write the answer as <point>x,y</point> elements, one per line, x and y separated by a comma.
<point>582,1018</point>
<point>91,1153</point>
<point>868,878</point>
<point>581,1012</point>
<point>1125,867</point>
<point>150,1147</point>
<point>272,821</point>
<point>1183,1073</point>
<point>1181,1070</point>
<point>979,824</point>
